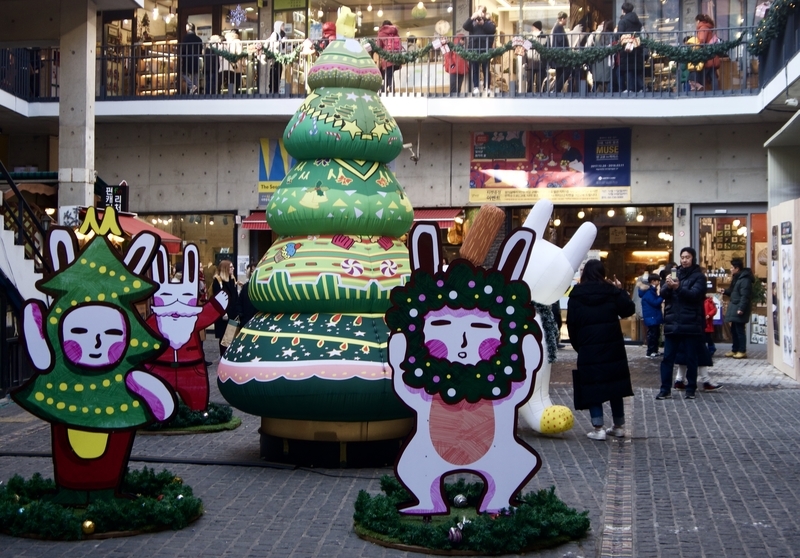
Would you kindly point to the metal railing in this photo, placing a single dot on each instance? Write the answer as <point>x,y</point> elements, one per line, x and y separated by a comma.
<point>21,214</point>
<point>170,70</point>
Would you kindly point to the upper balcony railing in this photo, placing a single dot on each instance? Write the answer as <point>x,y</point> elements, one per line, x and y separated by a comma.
<point>659,66</point>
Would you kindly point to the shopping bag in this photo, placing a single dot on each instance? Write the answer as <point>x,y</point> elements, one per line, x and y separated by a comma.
<point>231,331</point>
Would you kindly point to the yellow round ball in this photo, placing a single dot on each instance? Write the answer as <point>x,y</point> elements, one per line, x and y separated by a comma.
<point>87,527</point>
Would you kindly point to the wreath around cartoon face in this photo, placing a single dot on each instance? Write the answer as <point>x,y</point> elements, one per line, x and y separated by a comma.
<point>468,287</point>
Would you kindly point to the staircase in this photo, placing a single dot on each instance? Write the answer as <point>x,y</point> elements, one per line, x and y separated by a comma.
<point>21,266</point>
<point>20,254</point>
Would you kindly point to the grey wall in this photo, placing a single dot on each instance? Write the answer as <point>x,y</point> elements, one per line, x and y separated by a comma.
<point>181,167</point>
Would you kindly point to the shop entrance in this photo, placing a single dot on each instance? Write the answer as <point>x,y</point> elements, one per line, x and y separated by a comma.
<point>727,233</point>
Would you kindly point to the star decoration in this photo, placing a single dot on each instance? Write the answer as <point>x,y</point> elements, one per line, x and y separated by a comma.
<point>360,334</point>
<point>288,352</point>
<point>367,97</point>
<point>352,96</point>
<point>334,352</point>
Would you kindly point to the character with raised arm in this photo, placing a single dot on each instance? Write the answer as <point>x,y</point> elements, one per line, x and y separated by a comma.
<point>87,348</point>
<point>464,351</point>
<point>549,274</point>
<point>178,317</point>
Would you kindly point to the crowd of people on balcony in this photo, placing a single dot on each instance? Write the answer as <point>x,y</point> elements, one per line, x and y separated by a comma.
<point>204,69</point>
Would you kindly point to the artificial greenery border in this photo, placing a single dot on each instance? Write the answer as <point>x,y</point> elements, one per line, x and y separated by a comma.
<point>216,417</point>
<point>158,501</point>
<point>541,521</point>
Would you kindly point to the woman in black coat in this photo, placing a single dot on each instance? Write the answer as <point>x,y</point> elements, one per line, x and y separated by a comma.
<point>595,307</point>
<point>225,280</point>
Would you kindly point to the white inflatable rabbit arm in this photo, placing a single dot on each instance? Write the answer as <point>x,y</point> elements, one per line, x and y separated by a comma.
<point>551,269</point>
<point>397,353</point>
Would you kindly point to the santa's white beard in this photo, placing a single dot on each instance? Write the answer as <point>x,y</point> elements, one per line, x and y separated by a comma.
<point>176,330</point>
<point>176,322</point>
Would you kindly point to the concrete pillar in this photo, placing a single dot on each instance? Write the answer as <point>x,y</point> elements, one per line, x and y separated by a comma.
<point>76,172</point>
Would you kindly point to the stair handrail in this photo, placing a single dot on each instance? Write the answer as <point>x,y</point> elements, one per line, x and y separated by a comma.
<point>23,209</point>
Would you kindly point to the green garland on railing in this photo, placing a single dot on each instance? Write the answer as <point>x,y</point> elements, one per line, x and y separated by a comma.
<point>568,58</point>
<point>692,54</point>
<point>772,26</point>
<point>263,54</point>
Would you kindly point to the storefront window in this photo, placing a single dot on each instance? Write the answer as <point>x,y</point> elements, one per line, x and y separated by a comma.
<point>213,234</point>
<point>631,240</point>
<point>410,19</point>
<point>243,17</point>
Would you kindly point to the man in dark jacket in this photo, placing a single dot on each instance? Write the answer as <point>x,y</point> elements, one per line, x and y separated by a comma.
<point>190,51</point>
<point>558,39</point>
<point>738,312</point>
<point>481,30</point>
<point>684,294</point>
<point>631,61</point>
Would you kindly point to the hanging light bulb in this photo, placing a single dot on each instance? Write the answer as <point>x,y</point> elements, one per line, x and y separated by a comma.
<point>320,14</point>
<point>556,222</point>
<point>449,9</point>
<point>611,212</point>
<point>155,13</point>
<point>380,12</point>
<point>581,214</point>
<point>736,223</point>
<point>640,217</point>
<point>369,7</point>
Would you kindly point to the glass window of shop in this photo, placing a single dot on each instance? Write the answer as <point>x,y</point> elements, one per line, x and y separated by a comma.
<point>214,234</point>
<point>631,240</point>
<point>678,15</point>
<point>737,234</point>
<point>242,17</point>
<point>413,19</point>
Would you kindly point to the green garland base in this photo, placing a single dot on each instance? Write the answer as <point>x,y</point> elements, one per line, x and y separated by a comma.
<point>541,521</point>
<point>186,421</point>
<point>152,502</point>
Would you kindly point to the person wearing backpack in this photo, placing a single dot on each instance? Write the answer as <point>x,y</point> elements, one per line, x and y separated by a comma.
<point>456,66</point>
<point>389,40</point>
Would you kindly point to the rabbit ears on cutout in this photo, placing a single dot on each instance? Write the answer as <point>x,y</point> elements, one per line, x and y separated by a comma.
<point>191,266</point>
<point>425,251</point>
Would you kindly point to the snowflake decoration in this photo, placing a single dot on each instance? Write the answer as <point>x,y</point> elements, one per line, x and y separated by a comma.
<point>237,16</point>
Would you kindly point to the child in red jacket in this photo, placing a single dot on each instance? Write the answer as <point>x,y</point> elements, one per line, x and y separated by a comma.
<point>710,307</point>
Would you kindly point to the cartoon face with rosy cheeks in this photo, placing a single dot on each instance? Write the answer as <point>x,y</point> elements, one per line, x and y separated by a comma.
<point>94,336</point>
<point>463,336</point>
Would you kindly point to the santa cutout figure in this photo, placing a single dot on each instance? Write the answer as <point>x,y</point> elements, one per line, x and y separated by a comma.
<point>179,319</point>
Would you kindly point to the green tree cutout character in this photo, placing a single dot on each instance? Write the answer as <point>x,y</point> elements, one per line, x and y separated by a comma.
<point>87,347</point>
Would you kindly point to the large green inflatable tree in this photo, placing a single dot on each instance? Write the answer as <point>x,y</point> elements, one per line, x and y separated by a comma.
<point>313,362</point>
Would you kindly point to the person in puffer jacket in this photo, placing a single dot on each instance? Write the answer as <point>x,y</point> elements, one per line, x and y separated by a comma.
<point>684,294</point>
<point>738,311</point>
<point>652,315</point>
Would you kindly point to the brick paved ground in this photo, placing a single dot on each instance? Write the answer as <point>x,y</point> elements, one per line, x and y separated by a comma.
<point>717,476</point>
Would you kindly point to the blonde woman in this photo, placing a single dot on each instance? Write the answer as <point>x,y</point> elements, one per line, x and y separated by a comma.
<point>225,280</point>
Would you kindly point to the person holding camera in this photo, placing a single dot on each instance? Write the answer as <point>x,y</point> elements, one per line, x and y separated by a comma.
<point>684,294</point>
<point>481,30</point>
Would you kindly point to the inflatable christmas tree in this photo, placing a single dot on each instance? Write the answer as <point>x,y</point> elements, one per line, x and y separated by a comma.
<point>312,363</point>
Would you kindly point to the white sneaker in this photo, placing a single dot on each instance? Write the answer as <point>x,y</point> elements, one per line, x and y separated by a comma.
<point>476,91</point>
<point>617,431</point>
<point>599,435</point>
